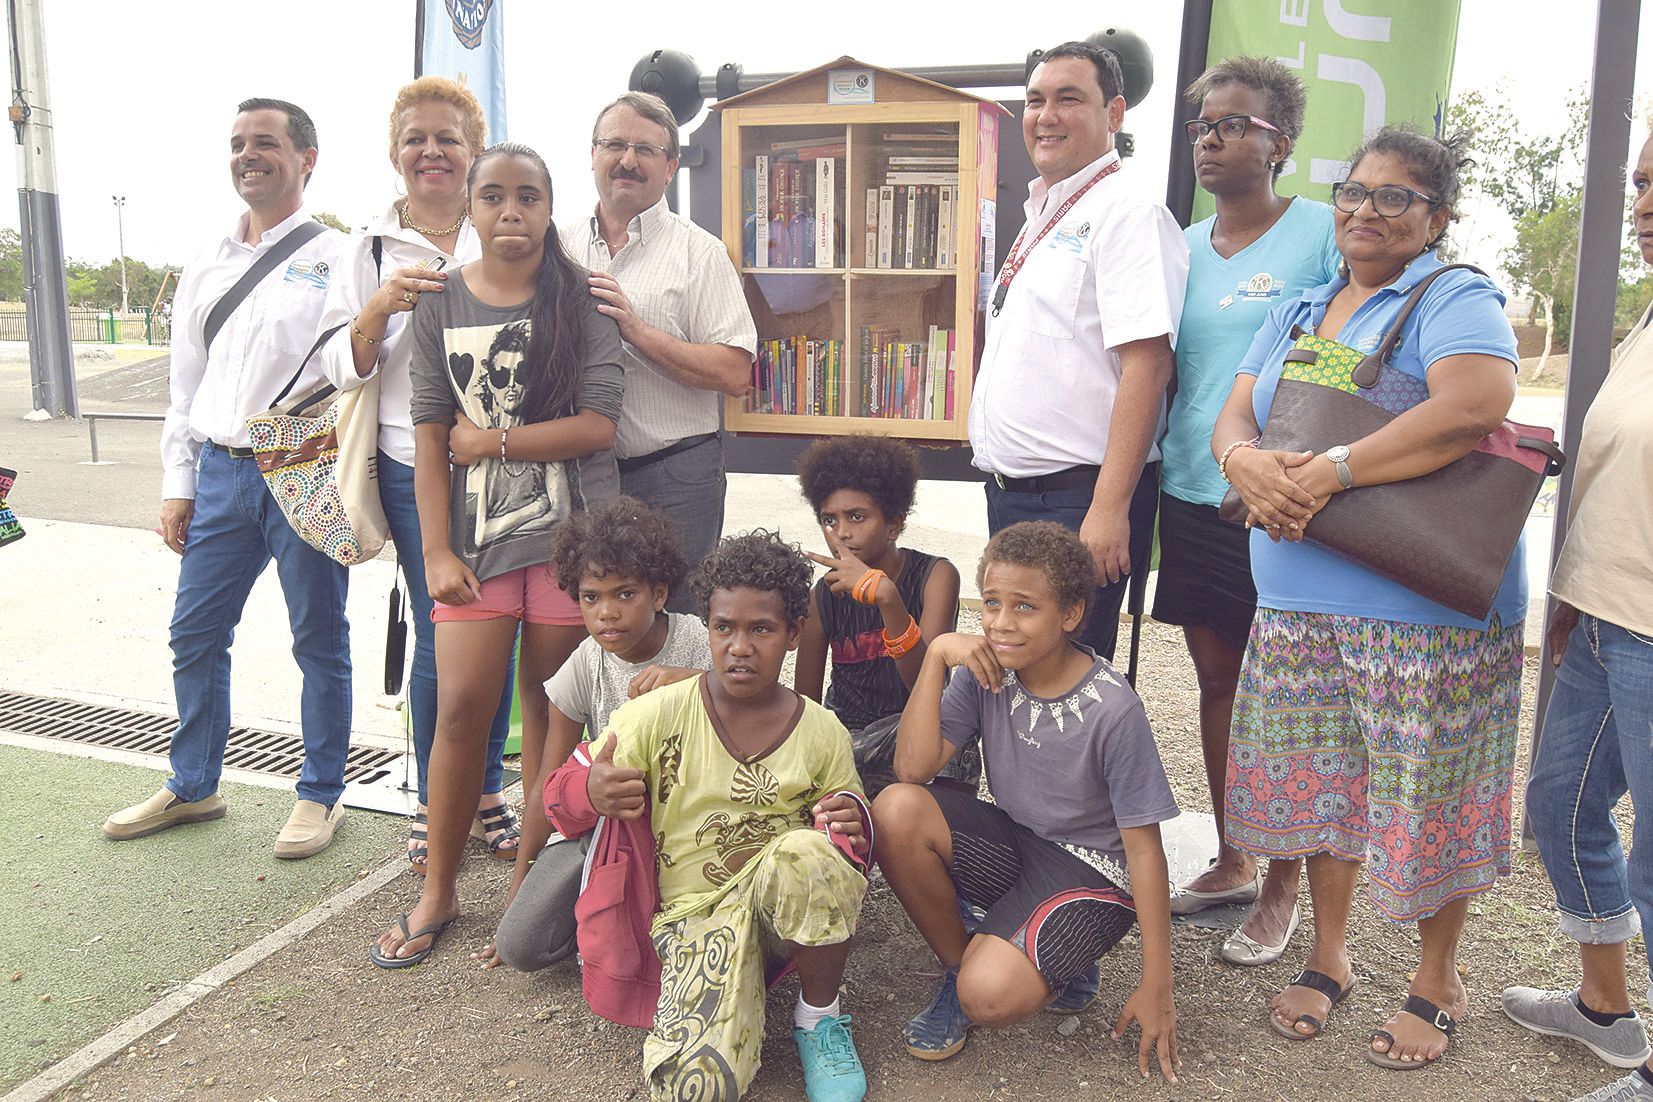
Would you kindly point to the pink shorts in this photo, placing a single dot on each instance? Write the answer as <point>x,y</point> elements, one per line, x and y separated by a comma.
<point>529,594</point>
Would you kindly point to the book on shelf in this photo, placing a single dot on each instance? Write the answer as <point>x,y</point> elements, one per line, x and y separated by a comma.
<point>798,375</point>
<point>907,379</point>
<point>804,226</point>
<point>886,226</point>
<point>914,223</point>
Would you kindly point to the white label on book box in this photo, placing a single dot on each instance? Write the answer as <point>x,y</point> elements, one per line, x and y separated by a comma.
<point>850,86</point>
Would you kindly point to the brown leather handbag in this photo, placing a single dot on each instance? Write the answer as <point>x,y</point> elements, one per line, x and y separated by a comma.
<point>1447,535</point>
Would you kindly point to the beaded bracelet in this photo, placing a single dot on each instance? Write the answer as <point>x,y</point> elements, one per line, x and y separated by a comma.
<point>363,337</point>
<point>903,643</point>
<point>1222,464</point>
<point>503,433</point>
<point>865,591</point>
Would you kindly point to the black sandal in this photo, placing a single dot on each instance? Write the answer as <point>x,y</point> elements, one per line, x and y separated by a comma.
<point>1314,981</point>
<point>502,845</point>
<point>1418,1007</point>
<point>419,850</point>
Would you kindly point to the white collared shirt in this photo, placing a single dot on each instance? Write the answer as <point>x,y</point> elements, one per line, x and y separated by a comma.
<point>354,282</point>
<point>1111,272</point>
<point>256,352</point>
<point>680,280</point>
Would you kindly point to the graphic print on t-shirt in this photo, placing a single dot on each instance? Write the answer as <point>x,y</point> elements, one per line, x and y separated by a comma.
<point>507,499</point>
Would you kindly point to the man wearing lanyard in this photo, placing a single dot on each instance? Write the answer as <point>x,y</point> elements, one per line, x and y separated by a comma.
<point>216,512</point>
<point>1078,349</point>
<point>687,330</point>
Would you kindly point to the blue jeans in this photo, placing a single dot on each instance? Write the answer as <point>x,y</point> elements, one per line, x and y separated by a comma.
<point>1068,508</point>
<point>689,489</point>
<point>236,530</point>
<point>1597,745</point>
<point>396,495</point>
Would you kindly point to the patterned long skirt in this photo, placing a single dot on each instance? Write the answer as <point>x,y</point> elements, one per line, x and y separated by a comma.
<point>1378,741</point>
<point>708,1026</point>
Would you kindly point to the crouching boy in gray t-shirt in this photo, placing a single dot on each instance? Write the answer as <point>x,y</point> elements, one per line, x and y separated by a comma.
<point>1068,855</point>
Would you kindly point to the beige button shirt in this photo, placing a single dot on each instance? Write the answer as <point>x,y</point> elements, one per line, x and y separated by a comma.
<point>1606,564</point>
<point>679,280</point>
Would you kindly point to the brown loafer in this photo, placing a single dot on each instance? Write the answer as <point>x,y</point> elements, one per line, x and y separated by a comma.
<point>309,829</point>
<point>162,810</point>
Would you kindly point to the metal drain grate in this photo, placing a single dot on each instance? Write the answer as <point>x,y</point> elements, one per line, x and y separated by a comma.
<point>264,752</point>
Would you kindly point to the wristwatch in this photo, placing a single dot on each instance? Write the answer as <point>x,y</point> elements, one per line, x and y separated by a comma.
<point>1340,460</point>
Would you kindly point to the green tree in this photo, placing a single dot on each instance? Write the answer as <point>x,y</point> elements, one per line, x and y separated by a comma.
<point>1544,259</point>
<point>331,221</point>
<point>11,266</point>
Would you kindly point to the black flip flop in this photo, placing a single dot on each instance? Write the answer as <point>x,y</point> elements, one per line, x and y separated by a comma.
<point>1418,1007</point>
<point>434,931</point>
<point>1314,981</point>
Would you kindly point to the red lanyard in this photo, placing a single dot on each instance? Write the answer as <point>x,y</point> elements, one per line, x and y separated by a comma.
<point>1013,263</point>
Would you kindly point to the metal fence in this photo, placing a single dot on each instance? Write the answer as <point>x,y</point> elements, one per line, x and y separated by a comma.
<point>97,326</point>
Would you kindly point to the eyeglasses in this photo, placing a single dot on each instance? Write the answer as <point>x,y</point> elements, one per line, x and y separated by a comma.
<point>1230,128</point>
<point>614,147</point>
<point>1389,200</point>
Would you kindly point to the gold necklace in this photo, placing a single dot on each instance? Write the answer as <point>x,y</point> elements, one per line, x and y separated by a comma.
<point>407,220</point>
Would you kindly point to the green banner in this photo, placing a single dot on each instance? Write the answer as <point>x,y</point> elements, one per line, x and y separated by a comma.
<point>1364,63</point>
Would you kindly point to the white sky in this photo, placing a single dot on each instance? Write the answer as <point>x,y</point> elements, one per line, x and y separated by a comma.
<point>144,94</point>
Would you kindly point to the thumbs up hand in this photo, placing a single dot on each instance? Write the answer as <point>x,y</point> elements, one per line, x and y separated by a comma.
<point>615,792</point>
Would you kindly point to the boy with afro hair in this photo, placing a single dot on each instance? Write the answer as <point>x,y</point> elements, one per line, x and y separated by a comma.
<point>878,603</point>
<point>761,835</point>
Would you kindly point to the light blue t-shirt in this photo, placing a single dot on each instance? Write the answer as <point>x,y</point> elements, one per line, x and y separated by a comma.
<point>1226,303</point>
<point>1462,313</point>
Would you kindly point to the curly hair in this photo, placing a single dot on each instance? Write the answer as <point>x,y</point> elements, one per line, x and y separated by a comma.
<point>1287,99</point>
<point>1436,163</point>
<point>883,468</point>
<point>1045,545</point>
<point>472,122</point>
<point>622,536</point>
<point>757,560</point>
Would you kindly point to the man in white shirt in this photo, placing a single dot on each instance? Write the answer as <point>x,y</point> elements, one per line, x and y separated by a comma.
<point>1079,340</point>
<point>687,330</point>
<point>216,512</point>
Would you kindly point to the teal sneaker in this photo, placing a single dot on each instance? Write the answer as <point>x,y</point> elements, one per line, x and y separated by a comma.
<point>1080,992</point>
<point>832,1067</point>
<point>940,1029</point>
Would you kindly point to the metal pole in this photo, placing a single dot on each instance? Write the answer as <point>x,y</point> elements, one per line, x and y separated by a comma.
<point>1595,292</point>
<point>45,295</point>
<point>1196,43</point>
<point>120,236</point>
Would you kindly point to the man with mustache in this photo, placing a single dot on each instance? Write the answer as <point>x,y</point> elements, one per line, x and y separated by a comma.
<point>688,333</point>
<point>227,364</point>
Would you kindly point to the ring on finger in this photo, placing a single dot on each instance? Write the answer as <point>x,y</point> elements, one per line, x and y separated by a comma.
<point>407,297</point>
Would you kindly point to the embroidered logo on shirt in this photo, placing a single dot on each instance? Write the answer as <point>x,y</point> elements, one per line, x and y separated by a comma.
<point>314,272</point>
<point>1071,237</point>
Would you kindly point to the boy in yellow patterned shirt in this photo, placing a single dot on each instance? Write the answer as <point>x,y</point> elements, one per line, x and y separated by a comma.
<point>759,825</point>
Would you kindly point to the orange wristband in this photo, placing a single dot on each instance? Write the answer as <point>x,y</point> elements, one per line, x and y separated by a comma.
<point>905,642</point>
<point>865,591</point>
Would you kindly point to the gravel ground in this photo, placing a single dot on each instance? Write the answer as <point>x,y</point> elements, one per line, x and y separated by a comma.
<point>318,1021</point>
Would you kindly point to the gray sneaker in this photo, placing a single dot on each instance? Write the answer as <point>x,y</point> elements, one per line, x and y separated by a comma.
<point>1632,1088</point>
<point>1622,1044</point>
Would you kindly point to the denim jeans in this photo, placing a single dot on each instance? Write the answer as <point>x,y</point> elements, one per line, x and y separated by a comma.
<point>1068,508</point>
<point>236,530</point>
<point>396,495</point>
<point>689,489</point>
<point>1597,746</point>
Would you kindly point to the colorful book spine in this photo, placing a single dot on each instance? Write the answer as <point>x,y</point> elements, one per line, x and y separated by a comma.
<point>910,230</point>
<point>825,210</point>
<point>944,232</point>
<point>760,207</point>
<point>870,258</point>
<point>886,226</point>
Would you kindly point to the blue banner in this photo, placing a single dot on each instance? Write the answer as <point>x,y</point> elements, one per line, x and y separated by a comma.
<point>465,40</point>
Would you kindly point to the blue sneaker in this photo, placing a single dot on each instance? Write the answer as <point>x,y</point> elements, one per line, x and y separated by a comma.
<point>832,1067</point>
<point>939,1030</point>
<point>1080,992</point>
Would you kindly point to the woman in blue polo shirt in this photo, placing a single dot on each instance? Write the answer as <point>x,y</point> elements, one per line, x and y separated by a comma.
<point>1371,724</point>
<point>1258,250</point>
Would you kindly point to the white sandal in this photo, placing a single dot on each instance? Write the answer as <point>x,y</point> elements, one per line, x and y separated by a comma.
<point>1240,948</point>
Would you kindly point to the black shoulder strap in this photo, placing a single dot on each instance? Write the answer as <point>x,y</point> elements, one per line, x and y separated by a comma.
<point>1366,373</point>
<point>263,266</point>
<point>326,392</point>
